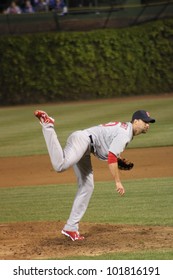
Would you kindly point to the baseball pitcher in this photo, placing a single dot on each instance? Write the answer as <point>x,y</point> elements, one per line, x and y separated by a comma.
<point>106,142</point>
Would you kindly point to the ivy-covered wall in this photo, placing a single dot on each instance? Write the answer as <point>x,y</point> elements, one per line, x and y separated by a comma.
<point>67,66</point>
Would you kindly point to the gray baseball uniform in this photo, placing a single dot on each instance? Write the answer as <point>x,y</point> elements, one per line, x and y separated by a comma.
<point>99,140</point>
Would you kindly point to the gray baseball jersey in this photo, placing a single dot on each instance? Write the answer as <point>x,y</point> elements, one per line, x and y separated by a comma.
<point>113,137</point>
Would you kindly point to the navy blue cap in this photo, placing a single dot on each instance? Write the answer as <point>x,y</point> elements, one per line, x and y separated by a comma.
<point>143,115</point>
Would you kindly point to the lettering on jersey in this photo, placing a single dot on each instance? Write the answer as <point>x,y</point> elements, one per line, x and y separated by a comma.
<point>124,125</point>
<point>110,124</point>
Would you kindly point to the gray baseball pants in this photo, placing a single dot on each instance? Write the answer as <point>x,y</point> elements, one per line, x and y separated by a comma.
<point>76,154</point>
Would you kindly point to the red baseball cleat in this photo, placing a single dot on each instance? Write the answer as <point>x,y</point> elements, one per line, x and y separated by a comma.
<point>43,117</point>
<point>74,235</point>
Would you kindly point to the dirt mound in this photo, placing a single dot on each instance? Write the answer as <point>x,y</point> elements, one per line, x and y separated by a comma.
<point>43,240</point>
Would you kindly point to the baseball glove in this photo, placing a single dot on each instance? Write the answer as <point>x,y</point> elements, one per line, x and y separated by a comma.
<point>124,164</point>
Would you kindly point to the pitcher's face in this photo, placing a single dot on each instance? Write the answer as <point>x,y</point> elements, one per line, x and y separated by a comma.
<point>139,126</point>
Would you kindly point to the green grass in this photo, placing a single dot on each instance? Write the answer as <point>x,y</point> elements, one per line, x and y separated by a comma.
<point>21,133</point>
<point>165,254</point>
<point>147,202</point>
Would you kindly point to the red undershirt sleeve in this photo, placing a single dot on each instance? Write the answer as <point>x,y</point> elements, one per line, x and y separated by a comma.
<point>111,158</point>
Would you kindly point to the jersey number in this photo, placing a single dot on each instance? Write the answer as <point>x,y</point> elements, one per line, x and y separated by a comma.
<point>110,124</point>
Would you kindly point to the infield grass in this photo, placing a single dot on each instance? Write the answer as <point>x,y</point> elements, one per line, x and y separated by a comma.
<point>21,133</point>
<point>147,202</point>
<point>166,254</point>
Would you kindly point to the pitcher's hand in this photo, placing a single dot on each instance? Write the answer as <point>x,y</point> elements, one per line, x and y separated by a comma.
<point>120,189</point>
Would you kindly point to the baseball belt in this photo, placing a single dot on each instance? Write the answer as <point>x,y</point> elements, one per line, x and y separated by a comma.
<point>92,145</point>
